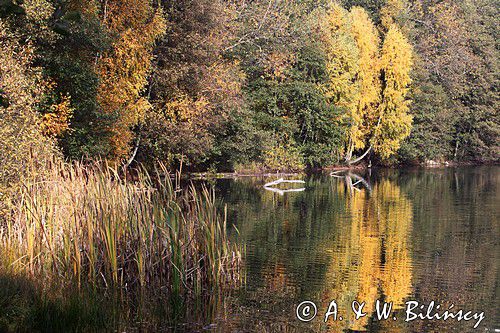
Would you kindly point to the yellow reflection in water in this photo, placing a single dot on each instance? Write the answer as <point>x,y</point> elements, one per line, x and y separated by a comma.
<point>374,262</point>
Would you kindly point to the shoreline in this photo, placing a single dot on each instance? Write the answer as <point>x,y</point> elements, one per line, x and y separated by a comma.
<point>361,167</point>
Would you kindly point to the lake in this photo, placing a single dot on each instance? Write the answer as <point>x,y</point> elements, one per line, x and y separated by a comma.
<point>389,235</point>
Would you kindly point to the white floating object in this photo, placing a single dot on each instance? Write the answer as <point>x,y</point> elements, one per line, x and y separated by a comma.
<point>268,186</point>
<point>281,192</point>
<point>281,180</point>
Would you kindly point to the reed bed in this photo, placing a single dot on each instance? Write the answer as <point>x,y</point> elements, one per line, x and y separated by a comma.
<point>90,225</point>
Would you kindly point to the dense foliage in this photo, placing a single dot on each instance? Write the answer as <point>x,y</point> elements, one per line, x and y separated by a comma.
<point>274,85</point>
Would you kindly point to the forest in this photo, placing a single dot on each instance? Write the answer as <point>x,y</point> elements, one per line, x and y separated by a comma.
<point>235,85</point>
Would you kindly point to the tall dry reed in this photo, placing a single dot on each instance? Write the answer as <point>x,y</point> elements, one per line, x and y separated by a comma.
<point>82,224</point>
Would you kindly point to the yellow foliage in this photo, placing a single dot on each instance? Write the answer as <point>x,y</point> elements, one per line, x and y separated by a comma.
<point>342,58</point>
<point>283,156</point>
<point>394,119</point>
<point>38,12</point>
<point>367,40</point>
<point>390,12</point>
<point>354,65</point>
<point>351,44</point>
<point>185,109</point>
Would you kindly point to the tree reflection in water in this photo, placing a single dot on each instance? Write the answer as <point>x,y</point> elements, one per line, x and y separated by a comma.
<point>377,254</point>
<point>395,235</point>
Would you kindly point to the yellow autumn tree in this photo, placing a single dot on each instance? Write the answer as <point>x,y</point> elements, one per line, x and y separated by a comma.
<point>394,123</point>
<point>342,56</point>
<point>376,117</point>
<point>399,12</point>
<point>123,70</point>
<point>364,114</point>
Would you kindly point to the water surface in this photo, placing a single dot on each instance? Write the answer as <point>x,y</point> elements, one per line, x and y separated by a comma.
<point>394,236</point>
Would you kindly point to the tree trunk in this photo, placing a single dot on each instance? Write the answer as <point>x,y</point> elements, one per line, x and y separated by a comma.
<point>350,150</point>
<point>455,154</point>
<point>361,157</point>
<point>136,148</point>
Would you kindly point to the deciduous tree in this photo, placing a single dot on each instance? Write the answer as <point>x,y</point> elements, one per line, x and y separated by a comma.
<point>123,70</point>
<point>24,148</point>
<point>365,115</point>
<point>394,123</point>
<point>371,88</point>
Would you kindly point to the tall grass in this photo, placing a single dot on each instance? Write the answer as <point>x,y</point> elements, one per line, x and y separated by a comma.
<point>89,225</point>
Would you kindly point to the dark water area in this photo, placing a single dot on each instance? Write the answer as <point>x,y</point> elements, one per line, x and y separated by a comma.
<point>391,235</point>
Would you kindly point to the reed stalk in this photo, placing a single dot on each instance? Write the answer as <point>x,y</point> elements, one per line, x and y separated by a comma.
<point>90,225</point>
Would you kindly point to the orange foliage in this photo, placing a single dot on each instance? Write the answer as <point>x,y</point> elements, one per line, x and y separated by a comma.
<point>124,69</point>
<point>56,122</point>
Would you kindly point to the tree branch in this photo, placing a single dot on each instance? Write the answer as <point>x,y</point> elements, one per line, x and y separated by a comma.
<point>361,157</point>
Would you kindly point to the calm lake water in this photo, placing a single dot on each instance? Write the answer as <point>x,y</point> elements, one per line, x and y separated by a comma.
<point>395,236</point>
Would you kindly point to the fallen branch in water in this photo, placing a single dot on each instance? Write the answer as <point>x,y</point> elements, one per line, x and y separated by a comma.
<point>348,176</point>
<point>268,186</point>
<point>281,180</point>
<point>281,192</point>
